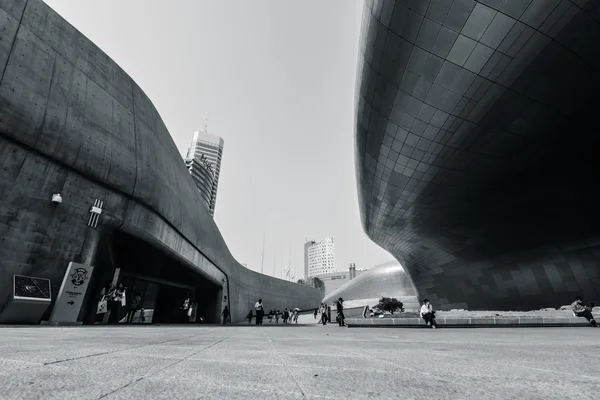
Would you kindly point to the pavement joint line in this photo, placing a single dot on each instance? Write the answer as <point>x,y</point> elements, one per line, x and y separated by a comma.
<point>113,352</point>
<point>163,368</point>
<point>286,366</point>
<point>420,372</point>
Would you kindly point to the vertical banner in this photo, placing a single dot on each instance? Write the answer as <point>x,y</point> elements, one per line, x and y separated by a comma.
<point>71,293</point>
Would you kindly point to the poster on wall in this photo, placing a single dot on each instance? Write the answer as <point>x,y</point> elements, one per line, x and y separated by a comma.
<point>71,293</point>
<point>31,289</point>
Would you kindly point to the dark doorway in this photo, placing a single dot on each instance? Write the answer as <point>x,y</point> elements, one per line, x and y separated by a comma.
<point>157,283</point>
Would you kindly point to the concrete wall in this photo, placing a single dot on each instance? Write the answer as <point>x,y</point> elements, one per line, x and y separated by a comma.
<point>72,121</point>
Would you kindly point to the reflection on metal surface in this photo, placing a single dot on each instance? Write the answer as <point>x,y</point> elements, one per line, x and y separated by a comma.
<point>387,280</point>
<point>476,148</point>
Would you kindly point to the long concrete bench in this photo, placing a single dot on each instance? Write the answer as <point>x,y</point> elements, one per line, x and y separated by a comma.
<point>467,322</point>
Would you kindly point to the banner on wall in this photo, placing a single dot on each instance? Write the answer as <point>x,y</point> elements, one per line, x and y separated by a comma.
<point>71,294</point>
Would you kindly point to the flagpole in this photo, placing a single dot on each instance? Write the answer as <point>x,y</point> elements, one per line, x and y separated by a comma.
<point>262,262</point>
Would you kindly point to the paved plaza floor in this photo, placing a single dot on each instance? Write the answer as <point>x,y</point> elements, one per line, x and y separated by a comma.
<point>297,362</point>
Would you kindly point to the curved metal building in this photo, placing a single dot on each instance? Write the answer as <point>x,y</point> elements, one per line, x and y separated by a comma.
<point>73,122</point>
<point>385,280</point>
<point>476,147</point>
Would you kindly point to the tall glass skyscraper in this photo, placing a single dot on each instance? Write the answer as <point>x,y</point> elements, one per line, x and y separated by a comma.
<point>211,148</point>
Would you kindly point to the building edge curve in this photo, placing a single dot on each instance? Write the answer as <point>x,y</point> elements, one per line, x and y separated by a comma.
<point>465,109</point>
<point>74,122</point>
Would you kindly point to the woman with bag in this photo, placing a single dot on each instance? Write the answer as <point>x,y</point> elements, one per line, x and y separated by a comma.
<point>102,307</point>
<point>116,298</point>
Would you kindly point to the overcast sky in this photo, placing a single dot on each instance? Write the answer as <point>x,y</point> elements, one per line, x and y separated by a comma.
<point>277,81</point>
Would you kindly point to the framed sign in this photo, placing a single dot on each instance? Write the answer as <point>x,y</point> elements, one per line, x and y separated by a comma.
<point>71,293</point>
<point>30,288</point>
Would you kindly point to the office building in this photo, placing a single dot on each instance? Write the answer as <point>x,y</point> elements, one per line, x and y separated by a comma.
<point>202,174</point>
<point>211,147</point>
<point>319,257</point>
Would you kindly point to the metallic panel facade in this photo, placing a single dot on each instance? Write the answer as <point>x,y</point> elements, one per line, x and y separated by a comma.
<point>476,147</point>
<point>386,280</point>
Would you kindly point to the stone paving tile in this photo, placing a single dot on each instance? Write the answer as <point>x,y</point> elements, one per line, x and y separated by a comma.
<point>265,356</point>
<point>191,390</point>
<point>164,351</point>
<point>59,382</point>
<point>375,384</point>
<point>341,362</point>
<point>273,379</point>
<point>281,362</point>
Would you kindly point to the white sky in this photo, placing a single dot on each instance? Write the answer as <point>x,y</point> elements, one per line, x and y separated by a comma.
<point>277,79</point>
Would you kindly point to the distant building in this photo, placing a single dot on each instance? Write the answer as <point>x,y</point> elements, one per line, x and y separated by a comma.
<point>211,147</point>
<point>319,257</point>
<point>203,176</point>
<point>352,270</point>
<point>335,280</point>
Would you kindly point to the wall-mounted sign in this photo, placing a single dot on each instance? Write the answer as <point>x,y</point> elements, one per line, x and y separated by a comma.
<point>31,289</point>
<point>72,292</point>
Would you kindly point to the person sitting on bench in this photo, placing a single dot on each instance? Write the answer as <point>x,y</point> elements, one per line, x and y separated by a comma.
<point>428,314</point>
<point>580,310</point>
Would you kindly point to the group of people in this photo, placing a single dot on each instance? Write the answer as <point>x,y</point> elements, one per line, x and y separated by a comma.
<point>287,316</point>
<point>113,298</point>
<point>325,312</point>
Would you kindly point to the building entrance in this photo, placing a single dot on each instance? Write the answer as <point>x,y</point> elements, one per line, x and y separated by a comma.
<point>149,300</point>
<point>159,288</point>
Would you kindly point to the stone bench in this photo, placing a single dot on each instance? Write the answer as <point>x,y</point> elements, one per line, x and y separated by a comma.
<point>468,322</point>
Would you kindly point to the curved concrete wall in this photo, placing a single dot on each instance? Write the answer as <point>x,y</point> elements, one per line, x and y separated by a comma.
<point>476,147</point>
<point>72,121</point>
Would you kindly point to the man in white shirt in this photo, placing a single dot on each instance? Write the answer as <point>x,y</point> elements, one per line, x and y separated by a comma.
<point>427,313</point>
<point>258,307</point>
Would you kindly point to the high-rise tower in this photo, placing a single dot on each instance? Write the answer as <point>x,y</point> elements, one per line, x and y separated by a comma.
<point>211,147</point>
<point>319,257</point>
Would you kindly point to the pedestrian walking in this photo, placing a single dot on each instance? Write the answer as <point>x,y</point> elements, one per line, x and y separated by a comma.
<point>323,314</point>
<point>184,307</point>
<point>340,312</point>
<point>260,310</point>
<point>286,315</point>
<point>225,314</point>
<point>315,313</point>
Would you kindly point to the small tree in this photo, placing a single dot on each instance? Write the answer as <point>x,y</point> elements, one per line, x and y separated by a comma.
<point>390,304</point>
<point>301,281</point>
<point>318,284</point>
